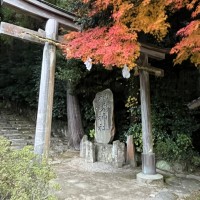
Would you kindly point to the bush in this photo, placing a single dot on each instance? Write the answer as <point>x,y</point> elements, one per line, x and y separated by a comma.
<point>174,150</point>
<point>92,133</point>
<point>22,177</point>
<point>172,126</point>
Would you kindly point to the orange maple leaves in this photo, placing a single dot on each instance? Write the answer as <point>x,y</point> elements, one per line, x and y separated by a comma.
<point>116,44</point>
<point>189,46</point>
<point>113,46</point>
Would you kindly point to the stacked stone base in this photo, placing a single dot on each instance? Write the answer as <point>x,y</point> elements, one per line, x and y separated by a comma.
<point>107,153</point>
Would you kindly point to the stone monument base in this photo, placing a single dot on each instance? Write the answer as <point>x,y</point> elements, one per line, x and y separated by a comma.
<point>107,153</point>
<point>150,179</point>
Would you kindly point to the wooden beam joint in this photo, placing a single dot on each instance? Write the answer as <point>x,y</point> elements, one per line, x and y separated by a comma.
<point>153,70</point>
<point>143,64</point>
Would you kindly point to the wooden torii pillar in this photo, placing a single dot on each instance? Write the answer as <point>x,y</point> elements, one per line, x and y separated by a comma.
<point>55,17</point>
<point>148,156</point>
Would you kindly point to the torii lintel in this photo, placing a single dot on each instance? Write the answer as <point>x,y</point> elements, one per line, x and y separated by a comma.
<point>44,11</point>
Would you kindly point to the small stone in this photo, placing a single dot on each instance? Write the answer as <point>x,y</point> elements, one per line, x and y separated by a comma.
<point>152,195</point>
<point>164,165</point>
<point>118,153</point>
<point>54,162</point>
<point>90,152</point>
<point>83,146</point>
<point>179,167</point>
<point>173,180</point>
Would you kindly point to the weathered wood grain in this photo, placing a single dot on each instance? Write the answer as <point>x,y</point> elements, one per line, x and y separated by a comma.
<point>148,157</point>
<point>153,70</point>
<point>45,105</point>
<point>146,112</point>
<point>154,52</point>
<point>21,33</point>
<point>43,11</point>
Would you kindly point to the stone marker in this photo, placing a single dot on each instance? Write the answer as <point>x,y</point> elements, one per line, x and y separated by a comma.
<point>130,153</point>
<point>104,152</point>
<point>118,153</point>
<point>90,152</point>
<point>83,146</point>
<point>104,123</point>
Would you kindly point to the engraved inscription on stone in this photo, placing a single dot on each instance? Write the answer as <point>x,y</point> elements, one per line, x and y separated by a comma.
<point>104,123</point>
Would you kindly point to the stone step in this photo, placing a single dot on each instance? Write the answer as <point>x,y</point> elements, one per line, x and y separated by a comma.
<point>3,122</point>
<point>7,131</point>
<point>25,129</point>
<point>11,118</point>
<point>20,122</point>
<point>28,133</point>
<point>21,125</point>
<point>20,132</point>
<point>19,136</point>
<point>8,128</point>
<point>5,126</point>
<point>30,142</point>
<point>17,142</point>
<point>13,136</point>
<point>17,147</point>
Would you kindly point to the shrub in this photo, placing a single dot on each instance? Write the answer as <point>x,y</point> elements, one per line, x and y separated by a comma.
<point>172,128</point>
<point>175,149</point>
<point>92,133</point>
<point>22,177</point>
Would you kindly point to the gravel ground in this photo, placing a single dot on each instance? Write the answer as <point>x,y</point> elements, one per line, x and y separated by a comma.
<point>80,180</point>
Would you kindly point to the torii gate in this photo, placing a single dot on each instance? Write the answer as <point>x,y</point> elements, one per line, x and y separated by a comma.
<point>55,17</point>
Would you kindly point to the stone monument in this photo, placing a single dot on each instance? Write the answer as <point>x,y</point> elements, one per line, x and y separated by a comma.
<point>104,117</point>
<point>102,150</point>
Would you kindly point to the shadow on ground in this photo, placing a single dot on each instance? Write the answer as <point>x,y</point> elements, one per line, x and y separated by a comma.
<point>99,181</point>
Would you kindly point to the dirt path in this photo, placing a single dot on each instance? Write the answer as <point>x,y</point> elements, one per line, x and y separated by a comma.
<point>99,181</point>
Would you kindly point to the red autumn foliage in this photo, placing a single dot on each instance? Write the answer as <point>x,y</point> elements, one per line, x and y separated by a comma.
<point>112,47</point>
<point>116,44</point>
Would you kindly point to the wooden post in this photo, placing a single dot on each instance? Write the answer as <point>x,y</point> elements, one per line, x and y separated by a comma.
<point>130,152</point>
<point>148,157</point>
<point>44,115</point>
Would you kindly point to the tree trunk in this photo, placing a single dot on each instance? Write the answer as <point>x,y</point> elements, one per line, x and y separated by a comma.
<point>75,127</point>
